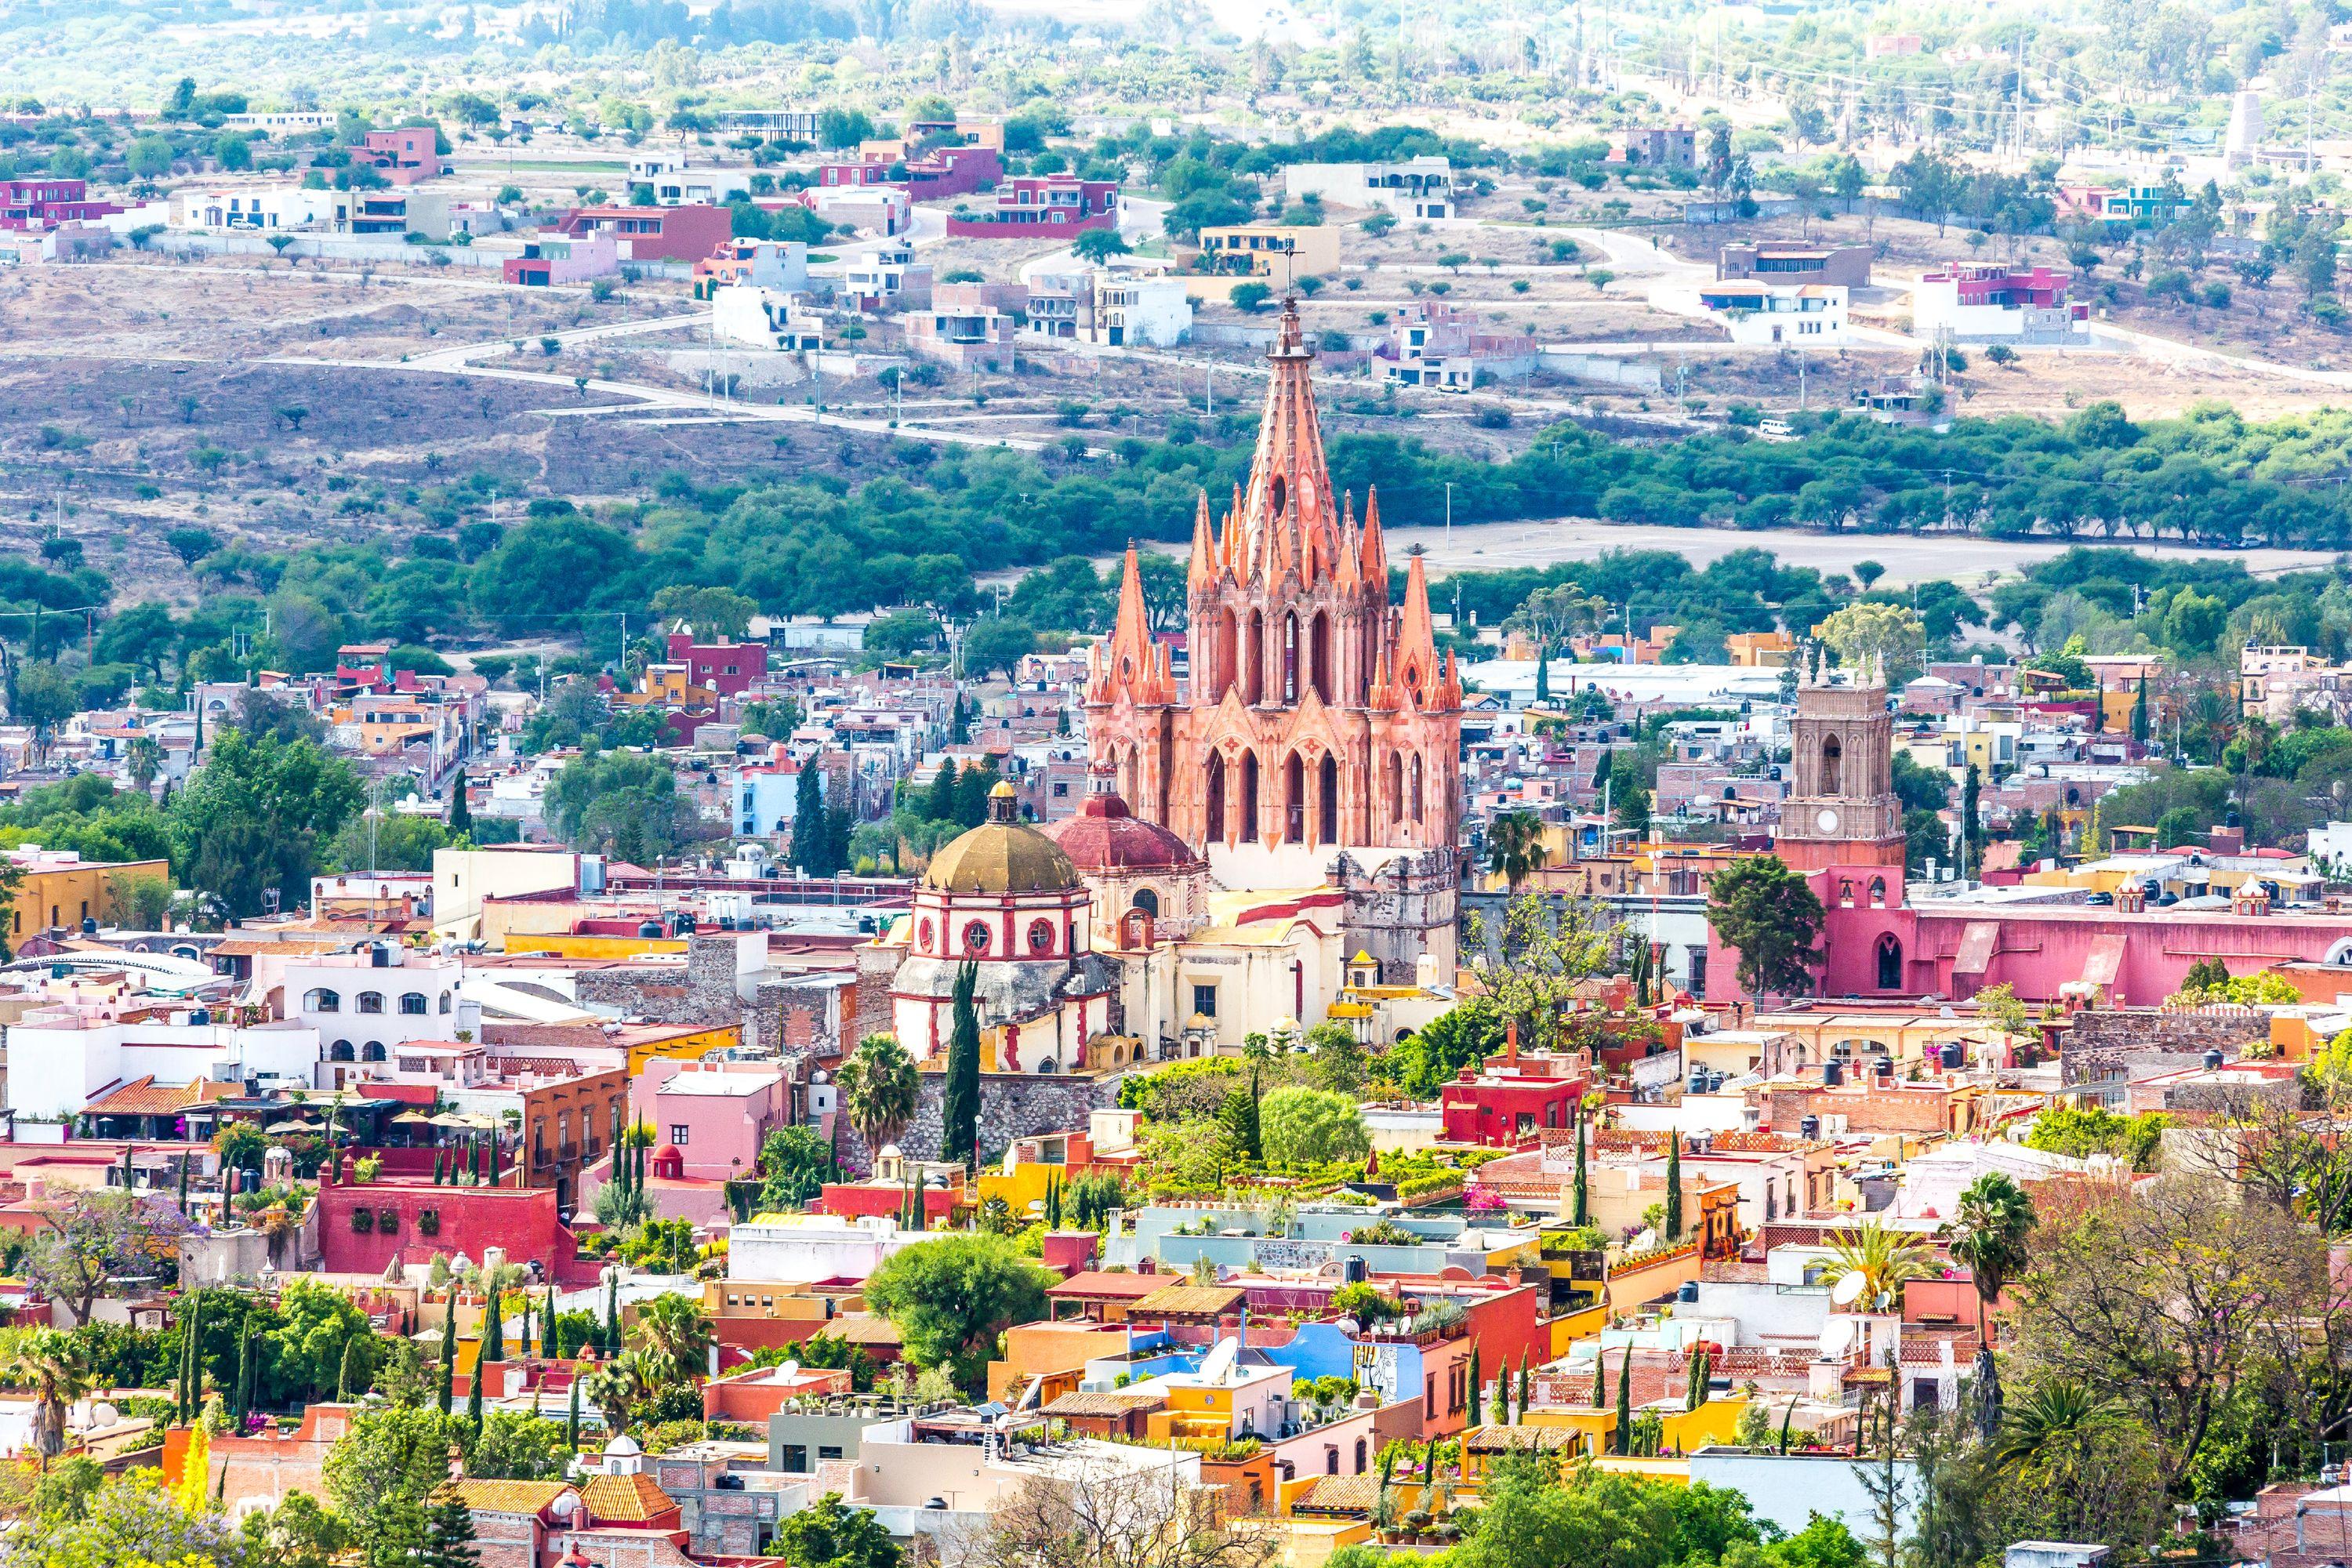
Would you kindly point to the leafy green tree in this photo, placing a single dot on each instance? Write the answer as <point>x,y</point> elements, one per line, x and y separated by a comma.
<point>996,643</point>
<point>1769,913</point>
<point>517,1447</point>
<point>793,1164</point>
<point>1303,1126</point>
<point>624,803</point>
<point>255,818</point>
<point>1464,1036</point>
<point>950,1297</point>
<point>316,1327</point>
<point>827,1534</point>
<point>381,1472</point>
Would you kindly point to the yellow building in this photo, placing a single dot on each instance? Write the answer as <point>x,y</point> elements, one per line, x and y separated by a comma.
<point>60,890</point>
<point>1761,650</point>
<point>1270,253</point>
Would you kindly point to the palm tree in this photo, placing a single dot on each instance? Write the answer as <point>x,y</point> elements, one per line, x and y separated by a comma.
<point>1514,846</point>
<point>674,1337</point>
<point>2049,1426</point>
<point>1990,1228</point>
<point>615,1388</point>
<point>145,757</point>
<point>1884,1257</point>
<point>57,1371</point>
<point>879,1088</point>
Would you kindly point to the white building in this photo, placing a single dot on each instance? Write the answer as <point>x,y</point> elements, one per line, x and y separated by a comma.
<point>814,1245</point>
<point>676,182</point>
<point>1811,313</point>
<point>60,1058</point>
<point>362,1004</point>
<point>1416,188</point>
<point>763,318</point>
<point>226,209</point>
<point>1112,308</point>
<point>1993,302</point>
<point>881,210</point>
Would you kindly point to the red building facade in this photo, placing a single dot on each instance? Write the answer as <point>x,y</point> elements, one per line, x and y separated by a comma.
<point>42,204</point>
<point>654,234</point>
<point>728,668</point>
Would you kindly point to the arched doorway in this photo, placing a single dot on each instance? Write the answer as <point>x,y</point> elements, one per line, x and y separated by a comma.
<point>1890,962</point>
<point>1248,825</point>
<point>1294,800</point>
<point>1215,808</point>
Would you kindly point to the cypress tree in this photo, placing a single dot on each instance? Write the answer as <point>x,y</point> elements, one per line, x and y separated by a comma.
<point>1600,1380</point>
<point>1626,1402</point>
<point>350,1375</point>
<point>1503,1397</point>
<point>939,800</point>
<point>809,840</point>
<point>1581,1209</point>
<point>572,1420</point>
<point>1543,674</point>
<point>449,1358</point>
<point>461,815</point>
<point>960,1110</point>
<point>241,1398</point>
<point>612,1317</point>
<point>1478,1389</point>
<point>1673,1188</point>
<point>2139,714</point>
<point>192,1362</point>
<point>550,1343</point>
<point>1239,1114</point>
<point>494,1329</point>
<point>440,1158</point>
<point>1527,1388</point>
<point>474,1390</point>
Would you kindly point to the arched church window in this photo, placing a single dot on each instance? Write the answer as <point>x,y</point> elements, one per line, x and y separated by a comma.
<point>1281,495</point>
<point>1148,901</point>
<point>975,937</point>
<point>1890,964</point>
<point>1833,766</point>
<point>1041,936</point>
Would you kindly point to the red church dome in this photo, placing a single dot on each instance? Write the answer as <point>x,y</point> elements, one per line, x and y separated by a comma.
<point>1105,839</point>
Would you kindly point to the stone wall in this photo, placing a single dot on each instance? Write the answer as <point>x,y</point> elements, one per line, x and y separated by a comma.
<point>2113,1044</point>
<point>1011,1105</point>
<point>1396,913</point>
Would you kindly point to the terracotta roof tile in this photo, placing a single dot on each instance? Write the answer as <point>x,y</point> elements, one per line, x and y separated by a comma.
<point>1191,1300</point>
<point>145,1097</point>
<point>624,1499</point>
<point>1084,1403</point>
<point>505,1497</point>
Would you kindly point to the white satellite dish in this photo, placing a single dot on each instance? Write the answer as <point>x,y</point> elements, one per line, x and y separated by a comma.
<point>789,1371</point>
<point>1218,1364</point>
<point>102,1416</point>
<point>1848,1289</point>
<point>1836,1336</point>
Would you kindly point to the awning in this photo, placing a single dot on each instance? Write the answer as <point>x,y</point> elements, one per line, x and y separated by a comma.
<point>2107,959</point>
<point>1977,943</point>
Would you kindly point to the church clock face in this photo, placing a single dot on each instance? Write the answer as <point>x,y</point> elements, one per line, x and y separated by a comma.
<point>1826,821</point>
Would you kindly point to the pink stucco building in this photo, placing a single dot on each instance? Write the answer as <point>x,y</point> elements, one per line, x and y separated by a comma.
<point>1841,826</point>
<point>714,1114</point>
